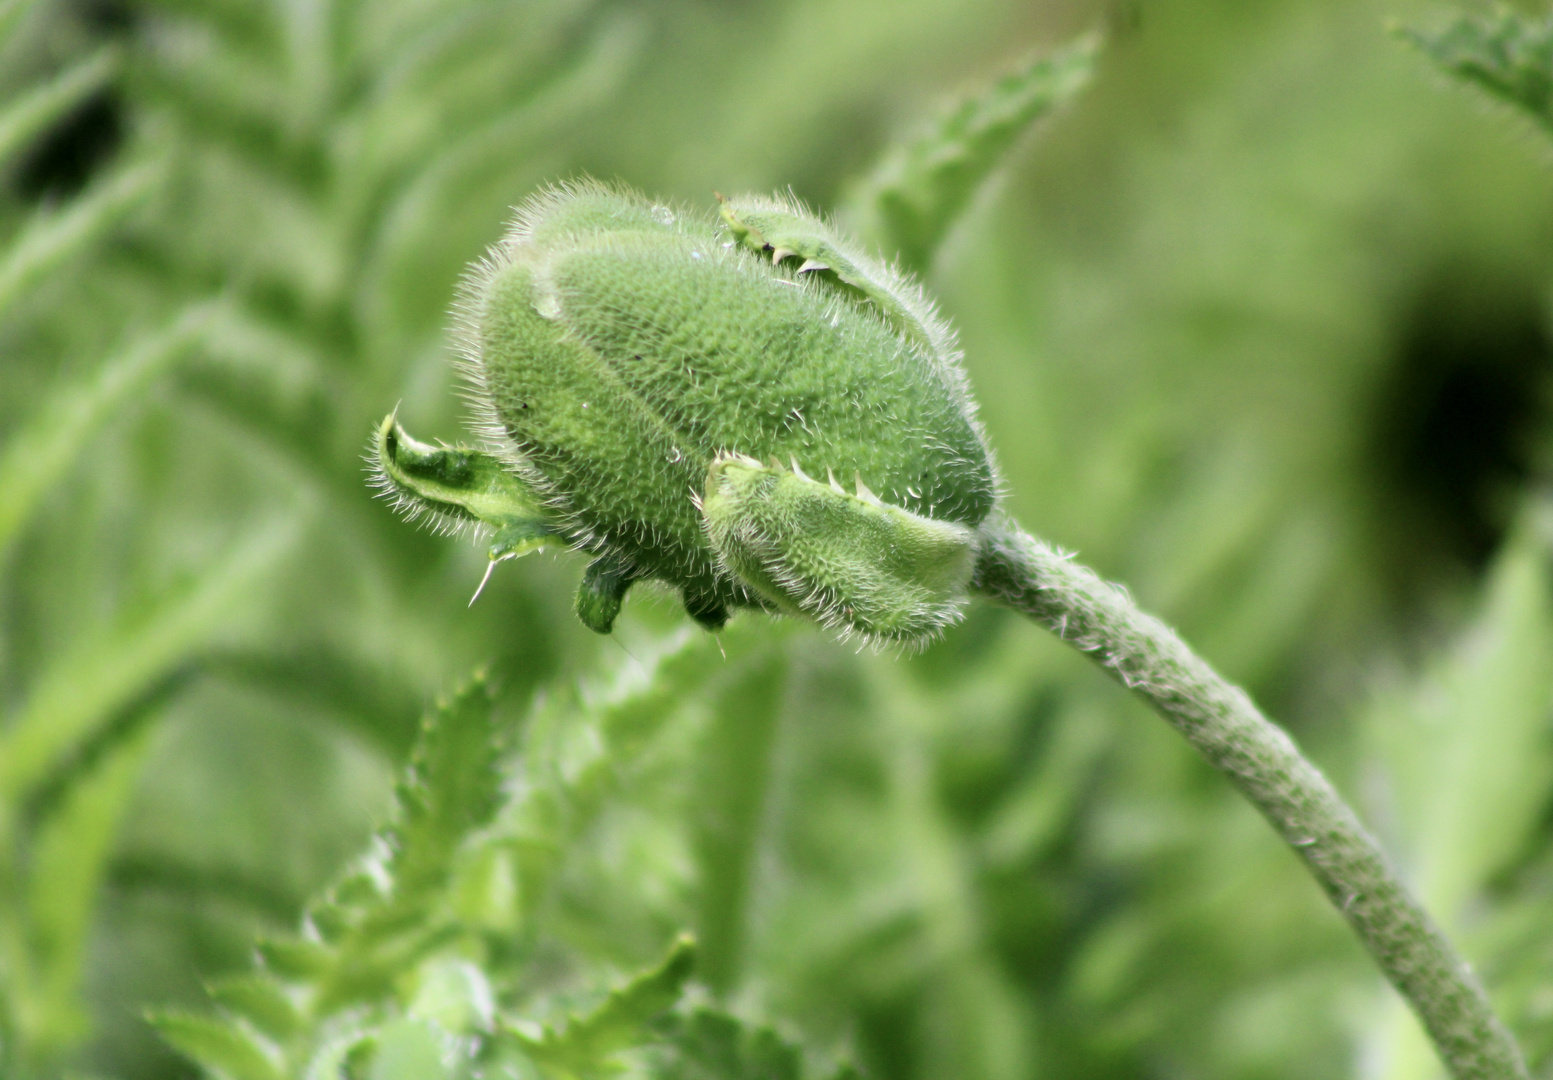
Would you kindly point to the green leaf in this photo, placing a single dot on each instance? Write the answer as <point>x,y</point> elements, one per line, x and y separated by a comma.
<point>1468,747</point>
<point>711,1045</point>
<point>260,1001</point>
<point>71,850</point>
<point>587,1042</point>
<point>23,120</point>
<point>922,186</point>
<point>224,1049</point>
<point>293,959</point>
<point>11,12</point>
<point>450,791</point>
<point>53,236</point>
<point>82,689</point>
<point>734,770</point>
<point>412,1050</point>
<point>1469,762</point>
<point>576,751</point>
<point>35,458</point>
<point>1505,54</point>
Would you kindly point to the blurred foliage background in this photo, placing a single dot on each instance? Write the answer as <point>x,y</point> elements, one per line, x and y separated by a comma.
<point>1262,325</point>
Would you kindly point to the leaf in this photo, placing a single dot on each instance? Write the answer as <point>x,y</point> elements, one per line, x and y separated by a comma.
<point>53,236</point>
<point>293,959</point>
<point>1506,55</point>
<point>37,457</point>
<point>734,775</point>
<point>82,689</point>
<point>71,850</point>
<point>574,750</point>
<point>1468,747</point>
<point>412,1050</point>
<point>712,1045</point>
<point>224,1049</point>
<point>450,791</point>
<point>259,1001</point>
<point>587,1042</point>
<point>921,187</point>
<point>24,119</point>
<point>10,12</point>
<point>1468,759</point>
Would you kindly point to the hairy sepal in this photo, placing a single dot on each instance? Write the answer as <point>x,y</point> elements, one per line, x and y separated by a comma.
<point>459,489</point>
<point>847,560</point>
<point>784,231</point>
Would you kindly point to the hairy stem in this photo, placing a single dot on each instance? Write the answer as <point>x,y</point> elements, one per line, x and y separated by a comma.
<point>1221,721</point>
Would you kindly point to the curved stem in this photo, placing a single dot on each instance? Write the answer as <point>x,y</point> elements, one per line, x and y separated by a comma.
<point>1220,720</point>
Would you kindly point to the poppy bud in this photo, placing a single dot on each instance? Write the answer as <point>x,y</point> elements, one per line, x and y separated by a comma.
<point>634,366</point>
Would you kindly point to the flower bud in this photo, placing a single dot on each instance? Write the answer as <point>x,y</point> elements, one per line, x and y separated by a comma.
<point>621,353</point>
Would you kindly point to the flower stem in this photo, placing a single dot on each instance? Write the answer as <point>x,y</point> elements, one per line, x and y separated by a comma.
<point>1260,759</point>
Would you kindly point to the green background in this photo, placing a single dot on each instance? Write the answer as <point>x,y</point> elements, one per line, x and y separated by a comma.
<point>1260,325</point>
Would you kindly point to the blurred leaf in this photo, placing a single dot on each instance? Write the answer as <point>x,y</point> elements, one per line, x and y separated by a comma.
<point>1471,763</point>
<point>920,189</point>
<point>706,1044</point>
<point>11,12</point>
<point>1469,756</point>
<point>579,746</point>
<point>1507,55</point>
<point>737,757</point>
<point>295,960</point>
<point>584,1046</point>
<point>55,235</point>
<point>225,1049</point>
<point>450,791</point>
<point>70,852</point>
<point>412,1050</point>
<point>22,120</point>
<point>70,702</point>
<point>709,1045</point>
<point>37,456</point>
<point>259,1001</point>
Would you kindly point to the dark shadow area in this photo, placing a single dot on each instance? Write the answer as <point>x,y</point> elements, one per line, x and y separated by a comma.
<point>65,158</point>
<point>1456,424</point>
<point>74,150</point>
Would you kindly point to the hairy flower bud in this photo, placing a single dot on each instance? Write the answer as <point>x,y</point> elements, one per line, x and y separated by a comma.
<point>629,361</point>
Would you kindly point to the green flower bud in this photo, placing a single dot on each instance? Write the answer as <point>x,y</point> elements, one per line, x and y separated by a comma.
<point>629,362</point>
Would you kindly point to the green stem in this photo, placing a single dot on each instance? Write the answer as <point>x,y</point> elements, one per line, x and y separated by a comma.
<point>1221,721</point>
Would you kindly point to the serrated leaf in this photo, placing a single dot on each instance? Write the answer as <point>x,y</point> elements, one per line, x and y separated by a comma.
<point>224,1049</point>
<point>922,186</point>
<point>1504,54</point>
<point>587,1042</point>
<point>259,1001</point>
<point>711,1045</point>
<point>450,790</point>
